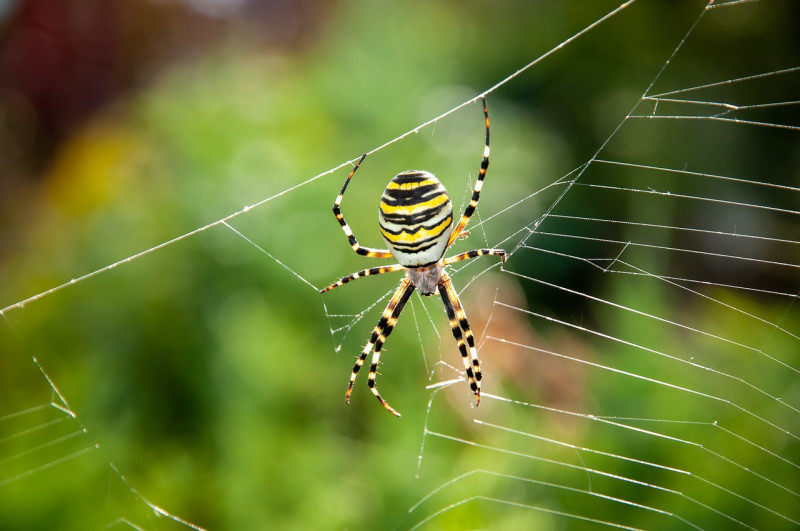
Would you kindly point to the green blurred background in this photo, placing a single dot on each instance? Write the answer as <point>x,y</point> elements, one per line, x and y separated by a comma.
<point>210,375</point>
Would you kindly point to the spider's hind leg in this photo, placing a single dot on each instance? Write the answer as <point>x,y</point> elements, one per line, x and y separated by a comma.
<point>351,238</point>
<point>476,193</point>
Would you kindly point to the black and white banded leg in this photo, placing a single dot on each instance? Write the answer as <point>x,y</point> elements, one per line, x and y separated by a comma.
<point>476,194</point>
<point>337,211</point>
<point>462,333</point>
<point>475,253</point>
<point>364,273</point>
<point>379,334</point>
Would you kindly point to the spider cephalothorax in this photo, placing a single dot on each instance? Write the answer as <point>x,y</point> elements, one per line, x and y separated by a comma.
<point>416,220</point>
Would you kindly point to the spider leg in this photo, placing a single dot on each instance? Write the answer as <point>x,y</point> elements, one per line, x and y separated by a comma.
<point>337,211</point>
<point>462,333</point>
<point>476,194</point>
<point>373,370</point>
<point>474,254</point>
<point>363,273</point>
<point>379,334</point>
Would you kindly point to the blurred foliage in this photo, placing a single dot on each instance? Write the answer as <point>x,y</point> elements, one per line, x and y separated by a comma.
<point>205,370</point>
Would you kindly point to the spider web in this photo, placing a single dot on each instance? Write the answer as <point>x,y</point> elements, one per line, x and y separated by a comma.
<point>639,345</point>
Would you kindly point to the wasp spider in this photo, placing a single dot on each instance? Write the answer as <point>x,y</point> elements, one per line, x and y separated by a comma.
<point>416,219</point>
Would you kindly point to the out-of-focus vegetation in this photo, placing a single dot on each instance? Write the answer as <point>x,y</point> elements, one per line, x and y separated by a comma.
<point>205,370</point>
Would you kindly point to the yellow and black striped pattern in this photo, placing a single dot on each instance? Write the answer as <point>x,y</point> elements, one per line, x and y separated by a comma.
<point>416,218</point>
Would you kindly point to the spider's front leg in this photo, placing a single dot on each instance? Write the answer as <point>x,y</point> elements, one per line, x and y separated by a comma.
<point>463,334</point>
<point>379,334</point>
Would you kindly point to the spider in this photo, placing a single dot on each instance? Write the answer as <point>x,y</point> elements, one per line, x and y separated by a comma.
<point>416,221</point>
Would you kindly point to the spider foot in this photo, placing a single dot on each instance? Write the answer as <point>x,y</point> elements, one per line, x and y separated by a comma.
<point>475,386</point>
<point>383,402</point>
<point>389,408</point>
